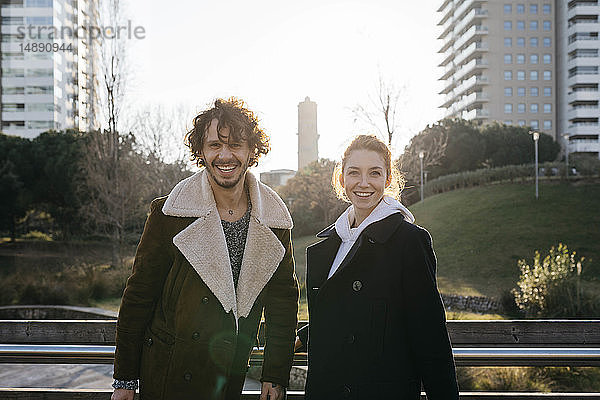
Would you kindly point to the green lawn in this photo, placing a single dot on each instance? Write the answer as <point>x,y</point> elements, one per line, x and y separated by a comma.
<point>480,233</point>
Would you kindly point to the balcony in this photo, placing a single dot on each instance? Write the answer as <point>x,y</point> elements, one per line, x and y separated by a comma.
<point>471,84</point>
<point>583,112</point>
<point>473,17</point>
<point>446,6</point>
<point>448,71</point>
<point>582,10</point>
<point>449,56</point>
<point>584,146</point>
<point>583,96</point>
<point>473,32</point>
<point>472,49</point>
<point>478,113</point>
<point>469,100</point>
<point>580,129</point>
<point>583,78</point>
<point>470,68</point>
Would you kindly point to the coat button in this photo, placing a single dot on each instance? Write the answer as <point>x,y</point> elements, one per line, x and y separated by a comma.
<point>357,285</point>
<point>371,240</point>
<point>350,339</point>
<point>187,376</point>
<point>347,392</point>
<point>149,342</point>
<point>205,300</point>
<point>195,335</point>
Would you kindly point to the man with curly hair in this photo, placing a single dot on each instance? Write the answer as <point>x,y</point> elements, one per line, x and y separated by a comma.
<point>214,256</point>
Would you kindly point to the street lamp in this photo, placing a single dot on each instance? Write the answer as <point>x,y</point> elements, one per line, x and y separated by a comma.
<point>421,156</point>
<point>566,137</point>
<point>536,137</point>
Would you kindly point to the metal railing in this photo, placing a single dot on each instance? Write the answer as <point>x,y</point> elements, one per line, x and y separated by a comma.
<point>475,343</point>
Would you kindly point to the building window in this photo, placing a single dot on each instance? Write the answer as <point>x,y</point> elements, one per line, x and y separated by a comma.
<point>507,8</point>
<point>547,108</point>
<point>547,124</point>
<point>547,25</point>
<point>521,122</point>
<point>507,108</point>
<point>13,90</point>
<point>13,107</point>
<point>507,25</point>
<point>547,58</point>
<point>521,92</point>
<point>508,59</point>
<point>533,58</point>
<point>533,8</point>
<point>521,108</point>
<point>520,75</point>
<point>534,91</point>
<point>12,20</point>
<point>38,3</point>
<point>533,107</point>
<point>13,72</point>
<point>548,75</point>
<point>546,9</point>
<point>547,91</point>
<point>520,25</point>
<point>508,92</point>
<point>39,89</point>
<point>507,42</point>
<point>533,42</point>
<point>547,42</point>
<point>39,20</point>
<point>508,75</point>
<point>520,58</point>
<point>520,8</point>
<point>535,124</point>
<point>533,75</point>
<point>520,42</point>
<point>508,122</point>
<point>533,25</point>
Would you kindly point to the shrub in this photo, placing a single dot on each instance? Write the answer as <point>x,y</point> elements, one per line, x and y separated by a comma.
<point>552,286</point>
<point>37,235</point>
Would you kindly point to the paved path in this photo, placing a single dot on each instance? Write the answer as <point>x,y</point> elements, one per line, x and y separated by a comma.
<point>81,376</point>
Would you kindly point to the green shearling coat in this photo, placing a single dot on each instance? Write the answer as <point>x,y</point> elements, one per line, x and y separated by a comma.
<point>183,329</point>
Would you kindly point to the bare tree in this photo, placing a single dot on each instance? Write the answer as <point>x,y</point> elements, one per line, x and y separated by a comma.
<point>108,165</point>
<point>381,111</point>
<point>159,133</point>
<point>432,142</point>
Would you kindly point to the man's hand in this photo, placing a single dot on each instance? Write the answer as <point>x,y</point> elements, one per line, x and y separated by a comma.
<point>297,344</point>
<point>272,391</point>
<point>123,394</point>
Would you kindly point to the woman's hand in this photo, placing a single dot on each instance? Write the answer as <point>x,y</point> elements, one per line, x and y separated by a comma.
<point>122,394</point>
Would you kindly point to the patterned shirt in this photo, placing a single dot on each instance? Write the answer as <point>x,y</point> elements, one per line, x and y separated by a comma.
<point>235,237</point>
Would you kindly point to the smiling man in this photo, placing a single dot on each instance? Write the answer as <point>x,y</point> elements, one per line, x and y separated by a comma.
<point>215,253</point>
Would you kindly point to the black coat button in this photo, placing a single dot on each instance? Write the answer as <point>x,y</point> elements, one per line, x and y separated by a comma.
<point>187,376</point>
<point>205,300</point>
<point>350,339</point>
<point>195,335</point>
<point>371,240</point>
<point>149,341</point>
<point>347,392</point>
<point>357,285</point>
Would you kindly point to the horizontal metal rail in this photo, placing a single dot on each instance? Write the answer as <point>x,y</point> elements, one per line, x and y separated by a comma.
<point>104,394</point>
<point>464,356</point>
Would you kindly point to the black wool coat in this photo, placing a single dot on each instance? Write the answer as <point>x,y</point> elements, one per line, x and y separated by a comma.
<point>377,326</point>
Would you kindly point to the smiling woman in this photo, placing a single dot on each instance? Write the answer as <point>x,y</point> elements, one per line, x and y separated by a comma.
<point>377,323</point>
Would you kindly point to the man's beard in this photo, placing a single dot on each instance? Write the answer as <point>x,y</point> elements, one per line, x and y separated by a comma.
<point>226,184</point>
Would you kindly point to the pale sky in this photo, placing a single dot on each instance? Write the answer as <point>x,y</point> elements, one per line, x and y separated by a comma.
<point>274,53</point>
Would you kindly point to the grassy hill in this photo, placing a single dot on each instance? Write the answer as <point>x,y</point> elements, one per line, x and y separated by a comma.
<point>480,233</point>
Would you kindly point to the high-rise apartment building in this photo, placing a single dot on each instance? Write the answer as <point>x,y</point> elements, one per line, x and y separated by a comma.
<point>48,58</point>
<point>308,138</point>
<point>527,63</point>
<point>577,74</point>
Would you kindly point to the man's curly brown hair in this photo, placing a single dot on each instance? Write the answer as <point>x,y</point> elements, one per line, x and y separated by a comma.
<point>241,122</point>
